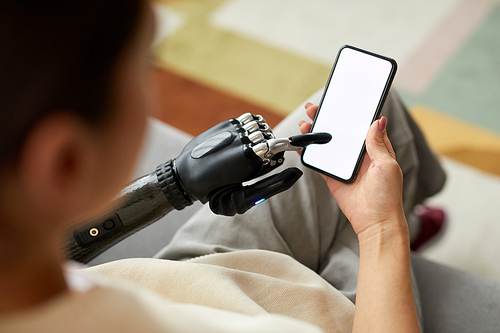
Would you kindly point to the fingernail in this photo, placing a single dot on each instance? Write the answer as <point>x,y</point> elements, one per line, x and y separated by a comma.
<point>382,124</point>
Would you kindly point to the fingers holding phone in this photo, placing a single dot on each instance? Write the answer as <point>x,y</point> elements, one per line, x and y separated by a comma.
<point>376,193</point>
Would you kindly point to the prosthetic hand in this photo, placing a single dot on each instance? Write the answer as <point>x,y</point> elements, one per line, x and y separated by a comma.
<point>211,168</point>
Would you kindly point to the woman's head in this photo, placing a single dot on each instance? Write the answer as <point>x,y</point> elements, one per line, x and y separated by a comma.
<point>72,100</point>
<point>58,55</point>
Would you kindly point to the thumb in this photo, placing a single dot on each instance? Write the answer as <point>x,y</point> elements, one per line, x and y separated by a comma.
<point>237,199</point>
<point>378,145</point>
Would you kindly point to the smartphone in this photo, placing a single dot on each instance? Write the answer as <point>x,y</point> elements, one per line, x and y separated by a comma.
<point>353,98</point>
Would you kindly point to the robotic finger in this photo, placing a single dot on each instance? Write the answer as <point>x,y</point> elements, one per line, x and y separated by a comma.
<point>267,150</point>
<point>266,146</point>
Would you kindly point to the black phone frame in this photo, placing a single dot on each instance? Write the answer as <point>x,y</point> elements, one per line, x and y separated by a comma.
<point>375,117</point>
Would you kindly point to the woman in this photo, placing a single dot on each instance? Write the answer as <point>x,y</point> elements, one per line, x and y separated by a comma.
<point>73,106</point>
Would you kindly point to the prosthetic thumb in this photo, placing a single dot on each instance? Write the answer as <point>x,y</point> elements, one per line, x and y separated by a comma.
<point>237,199</point>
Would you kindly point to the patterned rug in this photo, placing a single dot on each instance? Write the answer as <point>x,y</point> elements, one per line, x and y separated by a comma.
<point>216,59</point>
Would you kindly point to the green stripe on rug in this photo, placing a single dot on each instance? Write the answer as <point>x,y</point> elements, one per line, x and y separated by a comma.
<point>246,68</point>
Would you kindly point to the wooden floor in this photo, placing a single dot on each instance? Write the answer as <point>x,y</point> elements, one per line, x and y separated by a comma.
<point>194,107</point>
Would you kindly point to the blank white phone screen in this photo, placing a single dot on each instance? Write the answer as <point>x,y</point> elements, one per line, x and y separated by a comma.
<point>347,111</point>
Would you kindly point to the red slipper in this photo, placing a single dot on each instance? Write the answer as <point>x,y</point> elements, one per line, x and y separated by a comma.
<point>432,225</point>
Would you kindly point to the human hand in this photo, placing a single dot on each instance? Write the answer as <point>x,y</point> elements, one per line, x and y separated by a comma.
<point>374,200</point>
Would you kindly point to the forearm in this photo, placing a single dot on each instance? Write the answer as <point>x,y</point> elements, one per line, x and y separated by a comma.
<point>384,301</point>
<point>140,204</point>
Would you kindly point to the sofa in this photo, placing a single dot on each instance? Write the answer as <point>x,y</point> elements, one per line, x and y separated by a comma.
<point>452,300</point>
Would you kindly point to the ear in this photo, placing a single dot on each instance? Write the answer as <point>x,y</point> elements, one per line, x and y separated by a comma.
<point>57,164</point>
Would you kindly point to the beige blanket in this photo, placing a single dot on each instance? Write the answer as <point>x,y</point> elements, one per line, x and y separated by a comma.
<point>246,291</point>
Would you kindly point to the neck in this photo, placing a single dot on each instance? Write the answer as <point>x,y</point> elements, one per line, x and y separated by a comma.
<point>31,271</point>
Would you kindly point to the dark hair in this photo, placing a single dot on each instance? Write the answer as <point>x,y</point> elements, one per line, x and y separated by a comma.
<point>58,54</point>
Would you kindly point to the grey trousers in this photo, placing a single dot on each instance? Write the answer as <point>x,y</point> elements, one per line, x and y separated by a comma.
<point>305,222</point>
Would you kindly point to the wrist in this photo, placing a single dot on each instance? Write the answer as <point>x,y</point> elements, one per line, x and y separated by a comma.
<point>388,234</point>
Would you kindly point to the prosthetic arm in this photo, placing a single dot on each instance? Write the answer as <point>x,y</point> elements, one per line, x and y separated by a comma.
<point>211,168</point>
